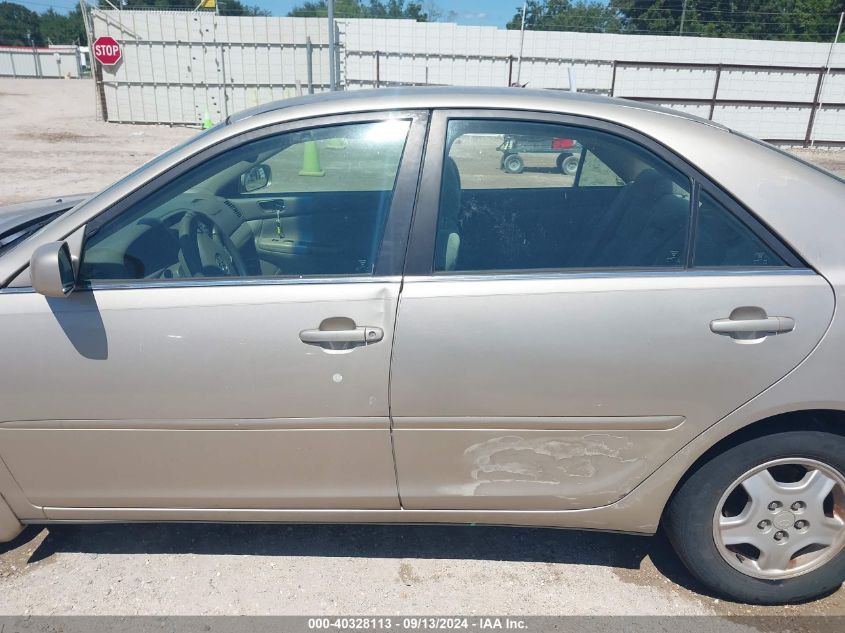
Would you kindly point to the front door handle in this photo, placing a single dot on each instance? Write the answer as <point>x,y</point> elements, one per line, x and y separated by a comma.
<point>764,326</point>
<point>361,335</point>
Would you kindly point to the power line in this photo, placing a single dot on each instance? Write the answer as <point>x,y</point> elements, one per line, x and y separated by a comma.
<point>721,11</point>
<point>615,24</point>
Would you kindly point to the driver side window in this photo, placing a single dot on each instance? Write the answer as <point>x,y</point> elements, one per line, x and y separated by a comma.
<point>305,203</point>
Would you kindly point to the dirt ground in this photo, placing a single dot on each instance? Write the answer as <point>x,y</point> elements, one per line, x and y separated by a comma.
<point>832,160</point>
<point>52,145</point>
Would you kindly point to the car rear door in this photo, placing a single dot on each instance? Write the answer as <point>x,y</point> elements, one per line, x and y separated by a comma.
<point>202,391</point>
<point>560,337</point>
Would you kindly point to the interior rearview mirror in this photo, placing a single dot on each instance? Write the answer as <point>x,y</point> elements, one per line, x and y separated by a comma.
<point>255,178</point>
<point>51,270</point>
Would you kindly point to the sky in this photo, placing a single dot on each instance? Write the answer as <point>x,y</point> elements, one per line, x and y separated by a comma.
<point>478,12</point>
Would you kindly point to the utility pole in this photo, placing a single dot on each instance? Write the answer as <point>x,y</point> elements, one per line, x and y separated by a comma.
<point>826,75</point>
<point>93,64</point>
<point>332,77</point>
<point>683,16</point>
<point>521,43</point>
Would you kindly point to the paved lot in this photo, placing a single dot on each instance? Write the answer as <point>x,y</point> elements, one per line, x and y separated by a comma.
<point>52,145</point>
<point>278,569</point>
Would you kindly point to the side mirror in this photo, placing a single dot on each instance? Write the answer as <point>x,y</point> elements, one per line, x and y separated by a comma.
<point>255,178</point>
<point>51,270</point>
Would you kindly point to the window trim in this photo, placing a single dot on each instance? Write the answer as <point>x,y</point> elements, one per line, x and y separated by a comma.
<point>421,247</point>
<point>750,221</point>
<point>391,253</point>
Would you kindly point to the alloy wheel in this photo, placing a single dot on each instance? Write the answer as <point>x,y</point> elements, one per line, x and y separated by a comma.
<point>782,519</point>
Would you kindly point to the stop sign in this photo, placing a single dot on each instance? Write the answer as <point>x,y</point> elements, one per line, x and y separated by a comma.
<point>107,51</point>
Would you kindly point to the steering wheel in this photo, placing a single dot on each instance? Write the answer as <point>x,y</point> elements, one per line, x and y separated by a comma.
<point>206,250</point>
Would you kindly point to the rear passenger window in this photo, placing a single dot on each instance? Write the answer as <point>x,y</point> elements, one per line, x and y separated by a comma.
<point>520,195</point>
<point>723,240</point>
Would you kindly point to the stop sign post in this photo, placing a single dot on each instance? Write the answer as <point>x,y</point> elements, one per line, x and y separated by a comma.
<point>107,51</point>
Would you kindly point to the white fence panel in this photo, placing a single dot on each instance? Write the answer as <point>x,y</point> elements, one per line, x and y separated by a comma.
<point>179,66</point>
<point>771,123</point>
<point>760,85</point>
<point>26,61</point>
<point>657,83</point>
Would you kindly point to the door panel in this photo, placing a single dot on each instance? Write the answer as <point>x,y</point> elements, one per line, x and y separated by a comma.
<point>248,414</point>
<point>217,465</point>
<point>554,341</point>
<point>221,372</point>
<point>541,392</point>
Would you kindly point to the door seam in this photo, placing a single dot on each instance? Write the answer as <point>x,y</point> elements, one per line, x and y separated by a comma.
<point>399,303</point>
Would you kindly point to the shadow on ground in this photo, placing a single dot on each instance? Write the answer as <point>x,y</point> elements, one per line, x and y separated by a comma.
<point>620,551</point>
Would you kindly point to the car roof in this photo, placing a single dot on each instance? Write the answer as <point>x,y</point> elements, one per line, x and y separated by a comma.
<point>405,98</point>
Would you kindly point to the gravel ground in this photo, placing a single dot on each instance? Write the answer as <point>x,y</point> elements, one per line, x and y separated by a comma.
<point>52,145</point>
<point>195,569</point>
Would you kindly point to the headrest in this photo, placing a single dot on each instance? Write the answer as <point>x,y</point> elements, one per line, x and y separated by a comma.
<point>651,185</point>
<point>450,195</point>
<point>451,175</point>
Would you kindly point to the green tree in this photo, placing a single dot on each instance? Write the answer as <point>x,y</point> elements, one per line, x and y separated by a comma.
<point>62,29</point>
<point>812,20</point>
<point>565,15</point>
<point>360,9</point>
<point>225,7</point>
<point>16,21</point>
<point>652,16</point>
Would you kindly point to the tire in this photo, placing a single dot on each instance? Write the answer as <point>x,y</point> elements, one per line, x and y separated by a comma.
<point>570,166</point>
<point>695,532</point>
<point>567,164</point>
<point>513,164</point>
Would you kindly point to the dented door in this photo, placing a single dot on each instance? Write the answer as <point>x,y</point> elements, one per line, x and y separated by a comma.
<point>554,392</point>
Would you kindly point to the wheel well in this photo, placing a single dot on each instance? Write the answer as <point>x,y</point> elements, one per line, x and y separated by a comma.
<point>828,420</point>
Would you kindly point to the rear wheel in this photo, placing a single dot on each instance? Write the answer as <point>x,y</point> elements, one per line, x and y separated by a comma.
<point>513,164</point>
<point>764,521</point>
<point>567,164</point>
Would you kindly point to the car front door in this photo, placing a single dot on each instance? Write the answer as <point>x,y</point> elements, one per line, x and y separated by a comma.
<point>561,335</point>
<point>229,343</point>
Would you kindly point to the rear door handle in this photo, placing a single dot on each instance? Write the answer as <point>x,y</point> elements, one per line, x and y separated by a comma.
<point>768,325</point>
<point>361,335</point>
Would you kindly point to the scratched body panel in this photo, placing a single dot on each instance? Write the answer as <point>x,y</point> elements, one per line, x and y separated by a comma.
<point>618,354</point>
<point>520,470</point>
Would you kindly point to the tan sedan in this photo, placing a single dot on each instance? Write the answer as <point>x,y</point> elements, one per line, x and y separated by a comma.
<point>344,309</point>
